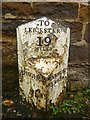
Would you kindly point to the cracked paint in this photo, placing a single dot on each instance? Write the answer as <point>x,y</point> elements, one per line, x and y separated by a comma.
<point>43,50</point>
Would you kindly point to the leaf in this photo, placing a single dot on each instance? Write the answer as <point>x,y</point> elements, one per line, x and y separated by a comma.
<point>8,102</point>
<point>55,110</point>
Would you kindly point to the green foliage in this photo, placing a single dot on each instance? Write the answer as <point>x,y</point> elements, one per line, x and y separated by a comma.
<point>79,103</point>
<point>54,109</point>
<point>70,106</point>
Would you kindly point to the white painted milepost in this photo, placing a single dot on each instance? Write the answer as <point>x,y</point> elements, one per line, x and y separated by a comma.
<point>43,50</point>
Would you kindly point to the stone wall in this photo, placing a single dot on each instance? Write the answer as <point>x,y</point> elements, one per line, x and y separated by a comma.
<point>72,14</point>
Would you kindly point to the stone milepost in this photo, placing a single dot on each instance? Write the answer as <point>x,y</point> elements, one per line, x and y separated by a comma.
<point>43,50</point>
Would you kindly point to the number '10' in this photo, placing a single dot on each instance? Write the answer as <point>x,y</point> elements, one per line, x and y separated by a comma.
<point>46,41</point>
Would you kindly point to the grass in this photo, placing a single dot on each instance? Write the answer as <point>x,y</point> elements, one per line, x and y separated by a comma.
<point>75,103</point>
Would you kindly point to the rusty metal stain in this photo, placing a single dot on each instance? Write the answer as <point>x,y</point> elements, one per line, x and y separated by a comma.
<point>43,50</point>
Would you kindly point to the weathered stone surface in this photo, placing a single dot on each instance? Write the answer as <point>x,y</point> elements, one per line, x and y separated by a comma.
<point>80,43</point>
<point>18,9</point>
<point>78,54</point>
<point>84,13</point>
<point>78,1</point>
<point>87,36</point>
<point>76,51</point>
<point>10,26</point>
<point>60,10</point>
<point>15,14</point>
<point>43,47</point>
<point>78,77</point>
<point>9,50</point>
<point>75,30</point>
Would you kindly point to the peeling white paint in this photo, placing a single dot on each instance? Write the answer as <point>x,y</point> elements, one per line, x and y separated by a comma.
<point>43,50</point>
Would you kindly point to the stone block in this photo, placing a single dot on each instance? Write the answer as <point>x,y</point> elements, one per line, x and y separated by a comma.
<point>78,54</point>
<point>87,36</point>
<point>84,13</point>
<point>58,10</point>
<point>78,77</point>
<point>42,47</point>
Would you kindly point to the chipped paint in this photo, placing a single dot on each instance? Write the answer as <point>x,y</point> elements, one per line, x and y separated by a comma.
<point>43,50</point>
